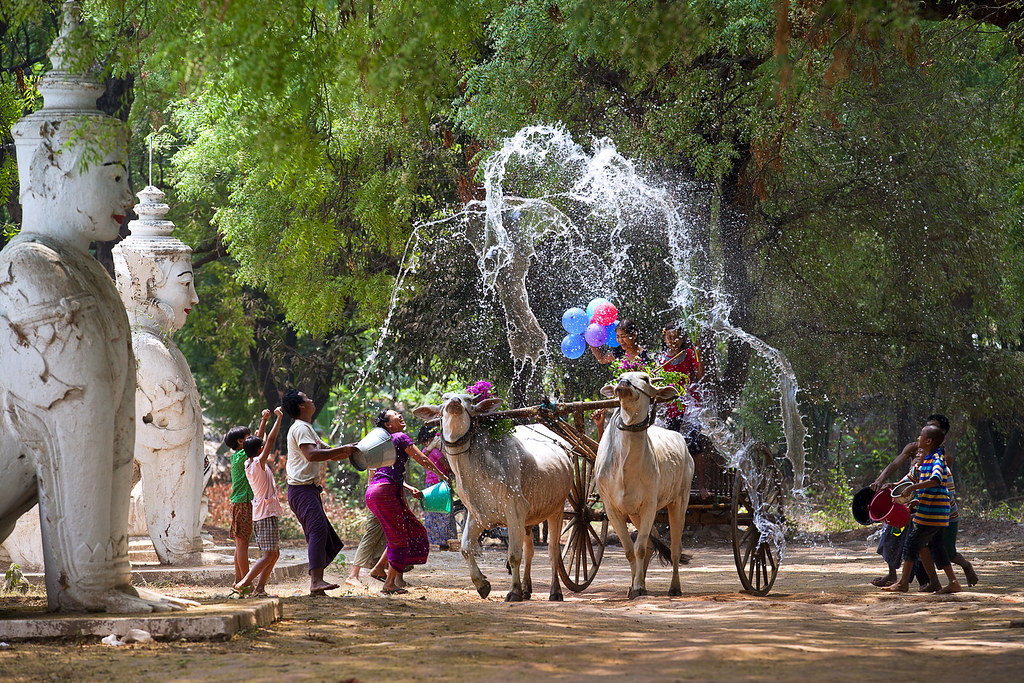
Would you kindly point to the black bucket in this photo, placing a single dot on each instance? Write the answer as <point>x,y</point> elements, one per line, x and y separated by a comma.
<point>861,501</point>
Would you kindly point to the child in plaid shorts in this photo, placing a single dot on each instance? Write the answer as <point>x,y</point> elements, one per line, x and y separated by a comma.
<point>241,494</point>
<point>265,508</point>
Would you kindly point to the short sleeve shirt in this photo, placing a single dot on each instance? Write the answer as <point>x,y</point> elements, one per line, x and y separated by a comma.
<point>241,492</point>
<point>299,470</point>
<point>933,502</point>
<point>265,501</point>
<point>396,473</point>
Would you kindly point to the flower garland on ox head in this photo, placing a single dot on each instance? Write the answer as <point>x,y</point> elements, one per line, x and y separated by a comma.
<point>497,428</point>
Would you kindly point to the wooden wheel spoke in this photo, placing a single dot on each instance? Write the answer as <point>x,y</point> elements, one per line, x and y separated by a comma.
<point>755,560</point>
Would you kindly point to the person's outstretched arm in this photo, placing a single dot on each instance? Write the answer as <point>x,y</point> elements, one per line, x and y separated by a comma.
<point>314,454</point>
<point>264,418</point>
<point>905,455</point>
<point>268,443</point>
<point>416,454</point>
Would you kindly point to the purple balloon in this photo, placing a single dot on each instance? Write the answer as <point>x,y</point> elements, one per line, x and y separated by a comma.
<point>596,335</point>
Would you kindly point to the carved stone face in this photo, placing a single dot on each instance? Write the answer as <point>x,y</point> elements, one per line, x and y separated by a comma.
<point>105,197</point>
<point>75,204</point>
<point>177,293</point>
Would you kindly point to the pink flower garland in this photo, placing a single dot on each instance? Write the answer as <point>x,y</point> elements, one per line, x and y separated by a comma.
<point>481,390</point>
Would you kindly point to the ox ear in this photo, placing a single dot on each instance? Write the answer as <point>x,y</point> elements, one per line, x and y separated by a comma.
<point>488,405</point>
<point>427,412</point>
<point>608,391</point>
<point>666,393</point>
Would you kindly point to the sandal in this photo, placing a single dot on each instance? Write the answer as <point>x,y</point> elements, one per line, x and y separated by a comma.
<point>882,581</point>
<point>397,591</point>
<point>241,592</point>
<point>382,579</point>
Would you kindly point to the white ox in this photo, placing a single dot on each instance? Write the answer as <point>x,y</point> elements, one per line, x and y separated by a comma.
<point>516,482</point>
<point>641,469</point>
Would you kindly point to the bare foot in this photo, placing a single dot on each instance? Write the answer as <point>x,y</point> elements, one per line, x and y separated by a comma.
<point>972,576</point>
<point>953,587</point>
<point>379,577</point>
<point>354,582</point>
<point>322,586</point>
<point>897,588</point>
<point>883,581</point>
<point>930,587</point>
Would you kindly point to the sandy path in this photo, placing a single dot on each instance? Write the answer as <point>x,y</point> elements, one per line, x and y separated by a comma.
<point>822,621</point>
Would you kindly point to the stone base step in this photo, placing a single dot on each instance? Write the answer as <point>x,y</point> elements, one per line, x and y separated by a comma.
<point>206,622</point>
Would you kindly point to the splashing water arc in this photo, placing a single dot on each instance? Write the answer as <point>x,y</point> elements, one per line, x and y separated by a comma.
<point>587,212</point>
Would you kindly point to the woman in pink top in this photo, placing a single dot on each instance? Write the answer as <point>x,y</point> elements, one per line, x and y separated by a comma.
<point>265,508</point>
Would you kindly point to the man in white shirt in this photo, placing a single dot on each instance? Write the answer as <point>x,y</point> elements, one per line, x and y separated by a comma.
<point>306,455</point>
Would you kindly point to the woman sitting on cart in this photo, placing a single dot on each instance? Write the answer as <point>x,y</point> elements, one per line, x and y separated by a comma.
<point>630,352</point>
<point>679,357</point>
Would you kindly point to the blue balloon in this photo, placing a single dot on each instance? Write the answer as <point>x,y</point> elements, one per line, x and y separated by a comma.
<point>594,303</point>
<point>611,340</point>
<point>575,320</point>
<point>595,334</point>
<point>573,346</point>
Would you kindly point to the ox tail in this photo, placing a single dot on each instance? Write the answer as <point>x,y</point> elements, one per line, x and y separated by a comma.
<point>664,550</point>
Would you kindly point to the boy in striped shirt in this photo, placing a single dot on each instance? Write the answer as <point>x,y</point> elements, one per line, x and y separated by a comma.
<point>932,511</point>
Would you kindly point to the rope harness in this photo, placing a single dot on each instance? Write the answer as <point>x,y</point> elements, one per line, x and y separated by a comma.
<point>466,438</point>
<point>647,421</point>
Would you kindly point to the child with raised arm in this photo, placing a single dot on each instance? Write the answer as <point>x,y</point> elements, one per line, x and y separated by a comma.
<point>241,494</point>
<point>266,506</point>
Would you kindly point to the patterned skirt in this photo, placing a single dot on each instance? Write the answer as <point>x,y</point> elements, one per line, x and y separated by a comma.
<point>440,527</point>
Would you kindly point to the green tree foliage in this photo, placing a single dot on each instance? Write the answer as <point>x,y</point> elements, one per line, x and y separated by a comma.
<point>860,165</point>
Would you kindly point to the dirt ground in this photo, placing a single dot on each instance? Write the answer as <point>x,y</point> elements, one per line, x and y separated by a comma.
<point>822,621</point>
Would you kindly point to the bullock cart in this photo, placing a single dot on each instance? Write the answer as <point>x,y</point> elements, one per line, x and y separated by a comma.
<point>732,501</point>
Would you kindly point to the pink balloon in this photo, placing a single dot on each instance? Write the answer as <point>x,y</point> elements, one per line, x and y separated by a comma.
<point>605,314</point>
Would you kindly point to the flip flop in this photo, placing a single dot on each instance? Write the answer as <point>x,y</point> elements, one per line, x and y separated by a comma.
<point>382,579</point>
<point>397,591</point>
<point>882,581</point>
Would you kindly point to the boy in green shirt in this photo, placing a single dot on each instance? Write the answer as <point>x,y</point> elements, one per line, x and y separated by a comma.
<point>241,494</point>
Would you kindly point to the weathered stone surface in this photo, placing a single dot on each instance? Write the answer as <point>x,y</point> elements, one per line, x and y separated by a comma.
<point>155,280</point>
<point>67,390</point>
<point>207,622</point>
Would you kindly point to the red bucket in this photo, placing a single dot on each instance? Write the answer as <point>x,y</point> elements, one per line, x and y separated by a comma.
<point>884,508</point>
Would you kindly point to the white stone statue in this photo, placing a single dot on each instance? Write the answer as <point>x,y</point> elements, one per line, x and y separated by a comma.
<point>154,277</point>
<point>67,372</point>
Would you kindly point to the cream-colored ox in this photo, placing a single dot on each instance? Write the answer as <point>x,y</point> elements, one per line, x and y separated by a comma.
<point>516,482</point>
<point>640,469</point>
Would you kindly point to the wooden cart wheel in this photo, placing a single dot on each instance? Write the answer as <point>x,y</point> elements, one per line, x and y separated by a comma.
<point>756,561</point>
<point>582,543</point>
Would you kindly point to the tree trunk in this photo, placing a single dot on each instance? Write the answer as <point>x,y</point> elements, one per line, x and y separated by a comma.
<point>1013,458</point>
<point>988,458</point>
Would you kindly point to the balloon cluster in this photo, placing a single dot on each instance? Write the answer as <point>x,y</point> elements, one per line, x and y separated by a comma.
<point>594,326</point>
